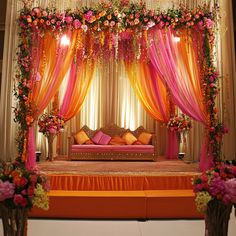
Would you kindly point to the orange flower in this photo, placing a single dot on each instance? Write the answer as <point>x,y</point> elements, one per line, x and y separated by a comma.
<point>29,119</point>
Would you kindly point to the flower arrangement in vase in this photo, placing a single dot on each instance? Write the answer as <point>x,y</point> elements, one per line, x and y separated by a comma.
<point>51,125</point>
<point>20,190</point>
<point>215,192</point>
<point>180,123</point>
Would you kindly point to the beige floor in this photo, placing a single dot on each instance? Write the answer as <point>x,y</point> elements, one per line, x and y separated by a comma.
<point>120,228</point>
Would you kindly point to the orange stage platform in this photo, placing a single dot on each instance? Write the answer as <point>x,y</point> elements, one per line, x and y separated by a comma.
<point>117,193</point>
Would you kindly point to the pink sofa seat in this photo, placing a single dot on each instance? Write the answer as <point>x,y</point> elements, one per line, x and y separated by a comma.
<point>113,148</point>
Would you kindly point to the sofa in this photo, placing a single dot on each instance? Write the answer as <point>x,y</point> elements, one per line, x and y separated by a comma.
<point>112,143</point>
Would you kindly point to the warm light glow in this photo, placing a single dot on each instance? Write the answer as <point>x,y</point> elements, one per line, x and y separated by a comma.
<point>65,41</point>
<point>176,39</point>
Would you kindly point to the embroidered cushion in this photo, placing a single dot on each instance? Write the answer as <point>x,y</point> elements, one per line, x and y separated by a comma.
<point>145,138</point>
<point>129,138</point>
<point>81,137</point>
<point>101,138</point>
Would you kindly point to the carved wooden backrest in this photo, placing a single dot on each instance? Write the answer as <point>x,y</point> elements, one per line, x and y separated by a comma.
<point>113,130</point>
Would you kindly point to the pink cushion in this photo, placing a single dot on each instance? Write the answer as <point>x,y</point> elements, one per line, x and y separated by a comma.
<point>97,137</point>
<point>101,138</point>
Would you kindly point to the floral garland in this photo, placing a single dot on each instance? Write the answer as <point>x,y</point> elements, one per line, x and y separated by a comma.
<point>126,24</point>
<point>122,16</point>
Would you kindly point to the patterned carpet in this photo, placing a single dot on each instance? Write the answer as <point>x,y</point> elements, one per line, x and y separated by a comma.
<point>161,167</point>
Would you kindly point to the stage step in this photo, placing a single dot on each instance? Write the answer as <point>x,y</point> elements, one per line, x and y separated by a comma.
<point>145,204</point>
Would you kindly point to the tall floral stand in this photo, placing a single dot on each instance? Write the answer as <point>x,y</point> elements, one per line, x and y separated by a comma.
<point>217,218</point>
<point>50,139</point>
<point>14,221</point>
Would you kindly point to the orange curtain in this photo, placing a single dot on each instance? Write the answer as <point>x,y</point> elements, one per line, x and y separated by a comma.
<point>81,75</point>
<point>149,89</point>
<point>54,62</point>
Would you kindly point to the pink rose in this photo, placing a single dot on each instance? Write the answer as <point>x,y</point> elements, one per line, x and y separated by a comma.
<point>76,24</point>
<point>68,19</point>
<point>88,15</point>
<point>20,200</point>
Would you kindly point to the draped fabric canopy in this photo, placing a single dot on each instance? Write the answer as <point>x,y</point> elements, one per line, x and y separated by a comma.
<point>167,72</point>
<point>172,71</point>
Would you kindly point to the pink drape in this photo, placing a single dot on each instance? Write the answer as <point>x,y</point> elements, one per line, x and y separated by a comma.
<point>168,61</point>
<point>172,149</point>
<point>177,66</point>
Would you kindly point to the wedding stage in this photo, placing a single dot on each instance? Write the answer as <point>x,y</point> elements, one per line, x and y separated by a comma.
<point>127,190</point>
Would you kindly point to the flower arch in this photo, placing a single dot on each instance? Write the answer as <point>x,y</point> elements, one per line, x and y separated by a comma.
<point>125,32</point>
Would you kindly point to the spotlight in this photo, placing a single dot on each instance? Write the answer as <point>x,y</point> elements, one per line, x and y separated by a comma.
<point>176,39</point>
<point>65,41</point>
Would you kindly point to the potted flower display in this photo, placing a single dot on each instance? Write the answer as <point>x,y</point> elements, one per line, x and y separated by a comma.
<point>20,190</point>
<point>51,125</point>
<point>215,192</point>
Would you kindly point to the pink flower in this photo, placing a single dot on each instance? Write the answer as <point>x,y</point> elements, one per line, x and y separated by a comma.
<point>53,21</point>
<point>6,190</point>
<point>112,23</point>
<point>161,24</point>
<point>212,79</point>
<point>212,129</point>
<point>231,189</point>
<point>88,15</point>
<point>44,13</point>
<point>225,130</point>
<point>209,23</point>
<point>48,22</point>
<point>84,28</point>
<point>150,24</point>
<point>20,200</point>
<point>76,24</point>
<point>68,19</point>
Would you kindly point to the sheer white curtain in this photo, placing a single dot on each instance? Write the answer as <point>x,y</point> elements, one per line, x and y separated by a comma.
<point>94,107</point>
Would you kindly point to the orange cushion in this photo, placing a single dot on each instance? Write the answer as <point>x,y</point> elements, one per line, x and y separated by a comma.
<point>145,138</point>
<point>117,140</point>
<point>81,137</point>
<point>129,138</point>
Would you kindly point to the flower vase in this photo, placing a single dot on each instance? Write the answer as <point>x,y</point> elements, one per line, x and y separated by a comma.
<point>217,218</point>
<point>50,139</point>
<point>14,220</point>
